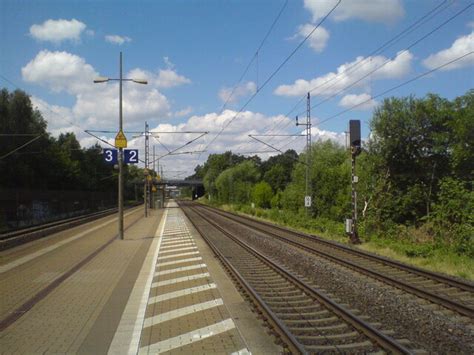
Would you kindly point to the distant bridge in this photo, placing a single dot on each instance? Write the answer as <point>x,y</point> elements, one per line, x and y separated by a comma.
<point>176,182</point>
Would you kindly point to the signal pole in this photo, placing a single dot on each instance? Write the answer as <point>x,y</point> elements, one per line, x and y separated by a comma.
<point>355,149</point>
<point>307,199</point>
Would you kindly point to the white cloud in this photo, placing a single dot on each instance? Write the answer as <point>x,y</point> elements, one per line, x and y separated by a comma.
<point>320,134</point>
<point>317,40</point>
<point>371,11</point>
<point>116,39</point>
<point>57,31</point>
<point>242,90</point>
<point>364,101</point>
<point>168,78</point>
<point>96,105</point>
<point>60,71</point>
<point>184,112</point>
<point>348,73</point>
<point>165,78</point>
<point>461,46</point>
<point>470,24</point>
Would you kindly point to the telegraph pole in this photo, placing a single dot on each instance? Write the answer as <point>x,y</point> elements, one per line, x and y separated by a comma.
<point>307,199</point>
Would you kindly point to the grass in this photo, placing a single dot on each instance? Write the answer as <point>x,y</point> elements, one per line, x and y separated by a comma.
<point>439,259</point>
<point>423,254</point>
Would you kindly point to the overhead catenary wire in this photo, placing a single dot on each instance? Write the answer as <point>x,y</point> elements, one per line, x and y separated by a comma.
<point>398,86</point>
<point>272,75</point>
<point>22,146</point>
<point>432,13</point>
<point>279,126</point>
<point>394,57</point>
<point>254,57</point>
<point>389,43</point>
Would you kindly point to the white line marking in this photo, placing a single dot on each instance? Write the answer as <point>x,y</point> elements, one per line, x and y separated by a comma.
<point>185,292</point>
<point>29,257</point>
<point>177,262</point>
<point>177,255</point>
<point>177,250</point>
<point>177,245</point>
<point>179,269</point>
<point>128,333</point>
<point>181,312</point>
<point>180,279</point>
<point>188,338</point>
<point>243,351</point>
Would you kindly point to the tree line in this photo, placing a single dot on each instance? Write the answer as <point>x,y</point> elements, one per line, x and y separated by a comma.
<point>50,163</point>
<point>416,170</point>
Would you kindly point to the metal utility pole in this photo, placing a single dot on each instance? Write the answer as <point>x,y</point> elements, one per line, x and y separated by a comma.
<point>147,152</point>
<point>124,142</point>
<point>307,199</point>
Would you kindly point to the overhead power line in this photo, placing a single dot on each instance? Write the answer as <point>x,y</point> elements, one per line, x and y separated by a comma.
<point>278,126</point>
<point>389,43</point>
<point>398,86</point>
<point>394,57</point>
<point>254,57</point>
<point>386,45</point>
<point>273,74</point>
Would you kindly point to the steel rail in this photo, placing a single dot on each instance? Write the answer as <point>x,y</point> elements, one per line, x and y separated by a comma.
<point>444,301</point>
<point>285,335</point>
<point>25,235</point>
<point>372,333</point>
<point>18,312</point>
<point>467,286</point>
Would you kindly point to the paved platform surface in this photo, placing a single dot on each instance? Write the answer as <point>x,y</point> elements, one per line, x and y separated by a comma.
<point>160,290</point>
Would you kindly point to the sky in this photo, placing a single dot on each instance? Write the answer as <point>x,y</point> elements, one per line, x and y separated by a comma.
<point>229,68</point>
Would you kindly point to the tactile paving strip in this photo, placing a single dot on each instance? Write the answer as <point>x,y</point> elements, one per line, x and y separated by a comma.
<point>185,313</point>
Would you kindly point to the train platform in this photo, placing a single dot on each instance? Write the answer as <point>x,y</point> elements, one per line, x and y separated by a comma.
<point>161,290</point>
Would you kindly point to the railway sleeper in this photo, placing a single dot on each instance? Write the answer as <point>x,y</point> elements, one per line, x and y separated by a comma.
<point>334,329</point>
<point>318,339</point>
<point>303,323</point>
<point>363,346</point>
<point>308,316</point>
<point>281,298</point>
<point>290,304</point>
<point>270,293</point>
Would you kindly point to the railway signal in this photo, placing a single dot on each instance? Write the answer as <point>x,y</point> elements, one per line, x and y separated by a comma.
<point>355,149</point>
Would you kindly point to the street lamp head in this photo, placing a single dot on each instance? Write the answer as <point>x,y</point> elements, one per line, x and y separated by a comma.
<point>101,79</point>
<point>140,81</point>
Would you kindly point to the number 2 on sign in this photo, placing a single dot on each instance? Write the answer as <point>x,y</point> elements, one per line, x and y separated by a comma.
<point>133,156</point>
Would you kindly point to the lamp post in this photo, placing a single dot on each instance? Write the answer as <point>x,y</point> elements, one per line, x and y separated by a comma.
<point>120,155</point>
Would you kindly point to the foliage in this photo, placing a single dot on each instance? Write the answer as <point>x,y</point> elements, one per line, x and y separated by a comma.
<point>262,194</point>
<point>51,163</point>
<point>452,216</point>
<point>235,184</point>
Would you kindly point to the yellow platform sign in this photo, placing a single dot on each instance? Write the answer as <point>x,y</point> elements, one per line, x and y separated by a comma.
<point>120,140</point>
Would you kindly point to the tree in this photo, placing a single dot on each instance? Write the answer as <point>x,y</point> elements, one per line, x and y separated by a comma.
<point>262,194</point>
<point>235,184</point>
<point>415,144</point>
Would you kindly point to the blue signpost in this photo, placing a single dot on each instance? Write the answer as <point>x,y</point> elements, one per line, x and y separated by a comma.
<point>110,156</point>
<point>130,156</point>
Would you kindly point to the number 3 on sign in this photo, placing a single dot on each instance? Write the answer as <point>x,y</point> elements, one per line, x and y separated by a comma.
<point>110,156</point>
<point>131,156</point>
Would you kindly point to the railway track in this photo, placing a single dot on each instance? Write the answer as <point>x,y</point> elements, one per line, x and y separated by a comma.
<point>306,320</point>
<point>25,235</point>
<point>448,292</point>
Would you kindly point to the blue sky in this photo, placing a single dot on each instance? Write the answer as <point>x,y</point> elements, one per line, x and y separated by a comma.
<point>193,53</point>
